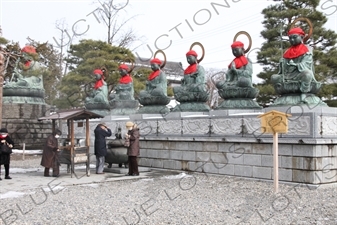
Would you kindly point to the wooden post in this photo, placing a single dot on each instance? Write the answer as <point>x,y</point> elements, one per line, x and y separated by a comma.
<point>72,150</point>
<point>275,159</point>
<point>2,69</point>
<point>274,122</point>
<point>87,133</point>
<point>87,144</point>
<point>23,151</point>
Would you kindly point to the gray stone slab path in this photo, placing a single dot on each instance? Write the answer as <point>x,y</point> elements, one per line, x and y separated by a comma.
<point>28,174</point>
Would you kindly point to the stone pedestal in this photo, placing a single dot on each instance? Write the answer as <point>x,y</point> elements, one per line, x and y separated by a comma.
<point>153,109</point>
<point>124,107</point>
<point>23,126</point>
<point>100,108</point>
<point>23,95</point>
<point>191,107</point>
<point>238,98</point>
<point>232,142</point>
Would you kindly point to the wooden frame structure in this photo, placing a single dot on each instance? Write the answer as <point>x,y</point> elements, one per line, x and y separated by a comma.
<point>70,153</point>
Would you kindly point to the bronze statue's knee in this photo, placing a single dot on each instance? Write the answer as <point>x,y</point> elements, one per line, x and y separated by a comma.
<point>276,78</point>
<point>306,76</point>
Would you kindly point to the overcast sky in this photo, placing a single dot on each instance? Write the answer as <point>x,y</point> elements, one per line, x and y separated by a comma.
<point>173,25</point>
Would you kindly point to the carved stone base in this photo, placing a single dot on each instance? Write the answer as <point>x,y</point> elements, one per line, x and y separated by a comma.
<point>191,107</point>
<point>124,107</point>
<point>23,100</point>
<point>153,109</point>
<point>239,104</point>
<point>22,95</point>
<point>295,99</point>
<point>97,106</point>
<point>124,104</point>
<point>238,92</point>
<point>154,100</point>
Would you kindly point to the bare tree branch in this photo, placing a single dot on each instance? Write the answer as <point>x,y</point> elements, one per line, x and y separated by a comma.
<point>110,16</point>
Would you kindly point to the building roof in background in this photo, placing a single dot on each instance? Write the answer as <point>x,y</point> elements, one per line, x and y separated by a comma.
<point>173,70</point>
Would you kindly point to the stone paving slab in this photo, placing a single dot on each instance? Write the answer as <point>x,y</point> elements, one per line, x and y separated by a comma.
<point>30,179</point>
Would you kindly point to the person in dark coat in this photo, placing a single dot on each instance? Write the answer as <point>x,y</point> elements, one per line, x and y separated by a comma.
<point>50,154</point>
<point>133,149</point>
<point>101,132</point>
<point>5,158</point>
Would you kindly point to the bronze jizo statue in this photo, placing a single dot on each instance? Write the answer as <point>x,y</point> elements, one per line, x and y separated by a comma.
<point>124,89</point>
<point>97,101</point>
<point>237,89</point>
<point>154,98</point>
<point>26,84</point>
<point>192,94</point>
<point>240,70</point>
<point>122,100</point>
<point>296,81</point>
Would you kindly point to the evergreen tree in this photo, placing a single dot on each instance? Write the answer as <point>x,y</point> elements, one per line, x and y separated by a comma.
<point>278,19</point>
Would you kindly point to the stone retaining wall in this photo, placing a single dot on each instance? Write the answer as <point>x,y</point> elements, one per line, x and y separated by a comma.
<point>303,163</point>
<point>21,121</point>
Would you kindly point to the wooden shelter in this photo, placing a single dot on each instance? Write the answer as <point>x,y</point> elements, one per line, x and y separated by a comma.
<point>71,154</point>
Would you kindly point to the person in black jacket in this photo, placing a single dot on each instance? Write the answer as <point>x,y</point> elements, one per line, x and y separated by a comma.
<point>5,158</point>
<point>101,132</point>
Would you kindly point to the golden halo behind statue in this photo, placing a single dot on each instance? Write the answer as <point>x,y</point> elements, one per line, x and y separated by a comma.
<point>163,53</point>
<point>202,49</point>
<point>292,25</point>
<point>247,35</point>
<point>132,64</point>
<point>105,72</point>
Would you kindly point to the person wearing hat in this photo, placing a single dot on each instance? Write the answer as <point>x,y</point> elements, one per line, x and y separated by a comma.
<point>240,70</point>
<point>297,63</point>
<point>5,158</point>
<point>50,157</point>
<point>133,149</point>
<point>101,132</point>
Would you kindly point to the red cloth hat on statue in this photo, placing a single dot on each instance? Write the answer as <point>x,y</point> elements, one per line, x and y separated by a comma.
<point>98,71</point>
<point>237,44</point>
<point>123,67</point>
<point>155,61</point>
<point>28,49</point>
<point>192,52</point>
<point>296,30</point>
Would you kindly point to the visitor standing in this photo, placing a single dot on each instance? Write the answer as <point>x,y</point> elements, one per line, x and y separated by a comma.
<point>133,149</point>
<point>5,157</point>
<point>101,132</point>
<point>50,157</point>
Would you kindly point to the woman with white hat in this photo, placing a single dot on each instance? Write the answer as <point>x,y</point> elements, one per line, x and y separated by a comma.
<point>133,149</point>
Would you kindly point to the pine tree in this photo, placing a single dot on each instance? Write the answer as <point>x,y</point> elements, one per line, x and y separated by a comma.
<point>278,19</point>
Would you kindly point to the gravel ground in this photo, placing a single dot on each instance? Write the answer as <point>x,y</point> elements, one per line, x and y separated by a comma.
<point>177,199</point>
